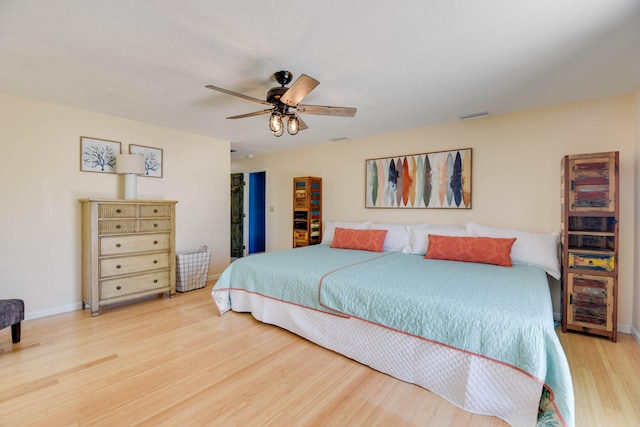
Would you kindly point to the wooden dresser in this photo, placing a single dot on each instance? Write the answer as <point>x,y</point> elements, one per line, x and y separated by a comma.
<point>128,250</point>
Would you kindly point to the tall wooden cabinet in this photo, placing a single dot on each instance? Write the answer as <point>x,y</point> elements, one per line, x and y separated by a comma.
<point>590,203</point>
<point>128,250</point>
<point>307,211</point>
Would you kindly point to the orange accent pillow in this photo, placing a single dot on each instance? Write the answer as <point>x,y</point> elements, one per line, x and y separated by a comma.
<point>365,240</point>
<point>485,250</point>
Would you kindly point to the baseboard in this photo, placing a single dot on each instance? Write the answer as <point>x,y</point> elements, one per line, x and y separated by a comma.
<point>624,329</point>
<point>28,315</point>
<point>214,277</point>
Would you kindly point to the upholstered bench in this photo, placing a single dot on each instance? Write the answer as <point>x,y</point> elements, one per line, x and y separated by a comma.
<point>11,314</point>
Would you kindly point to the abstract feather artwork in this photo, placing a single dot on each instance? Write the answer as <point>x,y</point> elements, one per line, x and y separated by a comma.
<point>430,180</point>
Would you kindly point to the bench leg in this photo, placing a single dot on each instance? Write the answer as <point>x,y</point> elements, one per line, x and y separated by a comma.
<point>15,333</point>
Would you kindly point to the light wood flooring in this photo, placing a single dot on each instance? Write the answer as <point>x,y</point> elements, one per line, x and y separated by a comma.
<point>174,362</point>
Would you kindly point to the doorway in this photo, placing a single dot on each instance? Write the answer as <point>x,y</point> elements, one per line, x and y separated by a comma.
<point>248,213</point>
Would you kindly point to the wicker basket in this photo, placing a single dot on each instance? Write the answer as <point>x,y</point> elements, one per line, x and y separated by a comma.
<point>192,269</point>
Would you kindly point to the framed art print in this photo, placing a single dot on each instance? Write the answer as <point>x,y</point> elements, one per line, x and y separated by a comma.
<point>98,155</point>
<point>152,159</point>
<point>430,180</point>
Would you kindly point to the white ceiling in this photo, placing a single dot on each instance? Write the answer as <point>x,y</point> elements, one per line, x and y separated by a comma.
<point>404,65</point>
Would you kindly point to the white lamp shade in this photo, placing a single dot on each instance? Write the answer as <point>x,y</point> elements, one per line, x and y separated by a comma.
<point>130,163</point>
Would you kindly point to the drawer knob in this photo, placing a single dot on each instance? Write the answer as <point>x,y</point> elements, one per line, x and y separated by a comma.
<point>155,261</point>
<point>155,225</point>
<point>118,287</point>
<point>118,211</point>
<point>118,245</point>
<point>118,226</point>
<point>155,211</point>
<point>155,242</point>
<point>118,266</point>
<point>155,280</point>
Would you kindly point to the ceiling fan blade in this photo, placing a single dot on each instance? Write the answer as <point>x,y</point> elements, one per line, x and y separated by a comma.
<point>326,110</point>
<point>298,90</point>
<point>257,113</point>
<point>229,92</point>
<point>301,124</point>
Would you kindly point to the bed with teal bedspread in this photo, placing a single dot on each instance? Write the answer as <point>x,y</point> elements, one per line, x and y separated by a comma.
<point>503,314</point>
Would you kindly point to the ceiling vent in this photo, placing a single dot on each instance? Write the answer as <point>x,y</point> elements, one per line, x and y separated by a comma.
<point>472,116</point>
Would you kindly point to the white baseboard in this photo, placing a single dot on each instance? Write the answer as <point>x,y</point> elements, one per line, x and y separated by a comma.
<point>625,329</point>
<point>636,335</point>
<point>28,315</point>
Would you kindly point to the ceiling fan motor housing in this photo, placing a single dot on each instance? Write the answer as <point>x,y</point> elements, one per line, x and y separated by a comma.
<point>283,77</point>
<point>275,94</point>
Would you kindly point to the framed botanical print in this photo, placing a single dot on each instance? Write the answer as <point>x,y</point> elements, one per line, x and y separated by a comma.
<point>152,159</point>
<point>98,155</point>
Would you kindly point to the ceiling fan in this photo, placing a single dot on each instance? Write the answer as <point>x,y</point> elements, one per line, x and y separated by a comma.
<point>285,103</point>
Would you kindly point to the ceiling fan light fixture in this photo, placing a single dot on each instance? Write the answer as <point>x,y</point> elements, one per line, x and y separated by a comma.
<point>275,124</point>
<point>293,125</point>
<point>279,132</point>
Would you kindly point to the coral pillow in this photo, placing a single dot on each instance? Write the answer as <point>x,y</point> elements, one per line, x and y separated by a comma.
<point>485,250</point>
<point>538,249</point>
<point>366,240</point>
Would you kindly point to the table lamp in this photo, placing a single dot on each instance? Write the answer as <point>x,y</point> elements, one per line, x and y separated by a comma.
<point>130,165</point>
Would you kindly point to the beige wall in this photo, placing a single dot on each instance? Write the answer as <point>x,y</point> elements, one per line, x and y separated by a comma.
<point>516,173</point>
<point>636,217</point>
<point>40,247</point>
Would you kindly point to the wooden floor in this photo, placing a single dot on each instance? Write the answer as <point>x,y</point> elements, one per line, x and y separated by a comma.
<point>174,362</point>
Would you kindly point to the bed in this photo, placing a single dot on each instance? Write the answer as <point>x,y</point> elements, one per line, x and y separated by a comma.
<point>479,335</point>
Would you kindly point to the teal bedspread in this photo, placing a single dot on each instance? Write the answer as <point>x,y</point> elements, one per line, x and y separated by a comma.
<point>501,313</point>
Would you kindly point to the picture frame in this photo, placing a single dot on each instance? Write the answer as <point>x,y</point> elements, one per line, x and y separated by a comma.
<point>436,180</point>
<point>152,159</point>
<point>98,155</point>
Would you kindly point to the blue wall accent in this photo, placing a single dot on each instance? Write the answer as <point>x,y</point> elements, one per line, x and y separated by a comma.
<point>257,216</point>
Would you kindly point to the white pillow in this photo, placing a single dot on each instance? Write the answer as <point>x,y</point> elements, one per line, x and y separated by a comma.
<point>418,235</point>
<point>330,228</point>
<point>537,249</point>
<point>397,238</point>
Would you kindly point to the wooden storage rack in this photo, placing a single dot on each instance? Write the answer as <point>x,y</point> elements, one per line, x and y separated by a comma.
<point>590,206</point>
<point>307,211</point>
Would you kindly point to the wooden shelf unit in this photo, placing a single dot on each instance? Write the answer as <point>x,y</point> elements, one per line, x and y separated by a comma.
<point>590,236</point>
<point>307,211</point>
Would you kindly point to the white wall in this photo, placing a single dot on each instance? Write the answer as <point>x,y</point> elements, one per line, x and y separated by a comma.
<point>636,277</point>
<point>40,247</point>
<point>515,173</point>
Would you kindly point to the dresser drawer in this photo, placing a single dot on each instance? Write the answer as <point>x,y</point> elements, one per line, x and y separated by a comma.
<point>155,225</point>
<point>117,211</point>
<point>114,226</point>
<point>133,264</point>
<point>154,210</point>
<point>133,285</point>
<point>114,245</point>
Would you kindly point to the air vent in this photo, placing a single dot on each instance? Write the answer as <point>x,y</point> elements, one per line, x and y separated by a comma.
<point>472,116</point>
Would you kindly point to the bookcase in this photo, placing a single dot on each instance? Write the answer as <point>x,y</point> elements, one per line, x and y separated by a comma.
<point>307,211</point>
<point>590,206</point>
